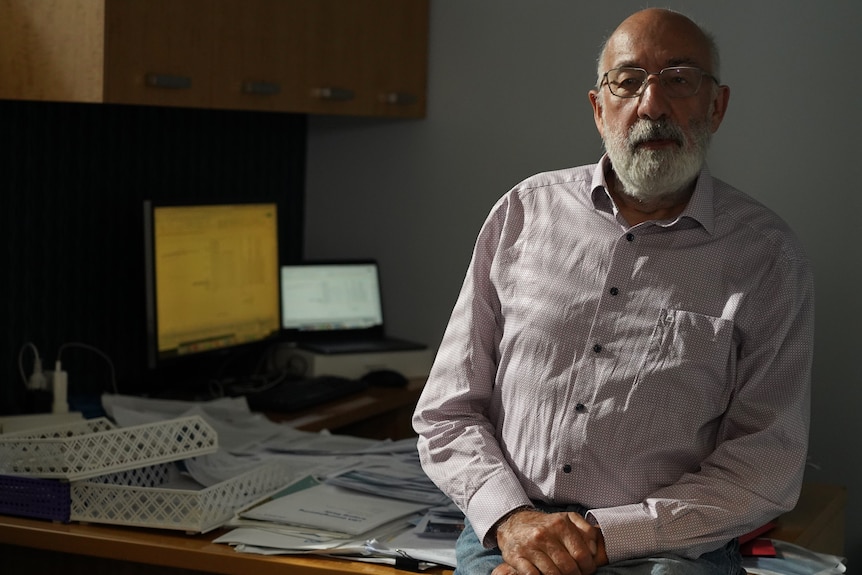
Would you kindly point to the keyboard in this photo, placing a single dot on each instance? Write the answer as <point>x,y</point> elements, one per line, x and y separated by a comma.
<point>337,346</point>
<point>298,394</point>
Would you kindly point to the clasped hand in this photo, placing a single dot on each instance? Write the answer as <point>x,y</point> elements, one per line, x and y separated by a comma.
<point>533,542</point>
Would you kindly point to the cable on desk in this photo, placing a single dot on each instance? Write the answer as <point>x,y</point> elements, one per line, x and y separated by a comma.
<point>99,352</point>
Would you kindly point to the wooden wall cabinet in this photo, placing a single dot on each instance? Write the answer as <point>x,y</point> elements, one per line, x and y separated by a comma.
<point>353,57</point>
<point>158,52</point>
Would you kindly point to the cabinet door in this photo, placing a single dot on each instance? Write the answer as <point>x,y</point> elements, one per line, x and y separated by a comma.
<point>366,57</point>
<point>51,50</point>
<point>332,56</point>
<point>395,47</point>
<point>159,52</point>
<point>259,46</point>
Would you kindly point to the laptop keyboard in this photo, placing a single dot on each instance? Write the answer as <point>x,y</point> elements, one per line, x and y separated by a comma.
<point>295,395</point>
<point>361,346</point>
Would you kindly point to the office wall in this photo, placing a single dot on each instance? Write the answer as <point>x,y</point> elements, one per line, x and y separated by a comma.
<point>508,82</point>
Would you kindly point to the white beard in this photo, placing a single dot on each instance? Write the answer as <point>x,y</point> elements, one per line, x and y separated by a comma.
<point>649,174</point>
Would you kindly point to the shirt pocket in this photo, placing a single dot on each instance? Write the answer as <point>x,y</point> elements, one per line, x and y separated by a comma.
<point>688,366</point>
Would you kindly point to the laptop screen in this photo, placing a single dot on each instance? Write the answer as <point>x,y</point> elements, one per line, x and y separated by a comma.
<point>326,297</point>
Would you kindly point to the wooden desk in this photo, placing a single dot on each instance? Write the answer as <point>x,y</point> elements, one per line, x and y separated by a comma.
<point>33,546</point>
<point>817,522</point>
<point>378,412</point>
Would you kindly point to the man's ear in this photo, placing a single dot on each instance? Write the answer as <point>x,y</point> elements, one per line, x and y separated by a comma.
<point>596,103</point>
<point>722,97</point>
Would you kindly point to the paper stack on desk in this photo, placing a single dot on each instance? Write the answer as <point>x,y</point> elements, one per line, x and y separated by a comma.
<point>314,517</point>
<point>333,509</point>
<point>343,495</point>
<point>394,476</point>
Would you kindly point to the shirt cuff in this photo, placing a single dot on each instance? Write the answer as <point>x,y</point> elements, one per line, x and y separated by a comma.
<point>489,505</point>
<point>628,530</point>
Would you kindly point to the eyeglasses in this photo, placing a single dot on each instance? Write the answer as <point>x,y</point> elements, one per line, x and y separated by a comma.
<point>678,82</point>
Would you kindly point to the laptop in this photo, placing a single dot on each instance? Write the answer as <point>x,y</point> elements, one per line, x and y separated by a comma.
<point>333,307</point>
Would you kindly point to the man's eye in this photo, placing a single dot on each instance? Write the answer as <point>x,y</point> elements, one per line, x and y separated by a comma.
<point>679,77</point>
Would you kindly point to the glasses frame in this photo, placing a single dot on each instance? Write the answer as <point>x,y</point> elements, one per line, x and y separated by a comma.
<point>658,74</point>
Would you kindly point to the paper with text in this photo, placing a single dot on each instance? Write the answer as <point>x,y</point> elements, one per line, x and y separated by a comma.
<point>333,509</point>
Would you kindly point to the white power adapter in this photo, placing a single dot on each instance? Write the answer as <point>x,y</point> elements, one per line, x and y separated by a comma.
<point>60,385</point>
<point>37,380</point>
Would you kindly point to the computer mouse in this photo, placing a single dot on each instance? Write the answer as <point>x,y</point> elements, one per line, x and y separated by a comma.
<point>384,378</point>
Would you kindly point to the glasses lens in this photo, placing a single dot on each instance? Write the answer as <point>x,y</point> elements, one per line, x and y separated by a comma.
<point>626,82</point>
<point>681,82</point>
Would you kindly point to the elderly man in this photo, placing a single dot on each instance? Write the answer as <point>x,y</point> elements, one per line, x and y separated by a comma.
<point>624,383</point>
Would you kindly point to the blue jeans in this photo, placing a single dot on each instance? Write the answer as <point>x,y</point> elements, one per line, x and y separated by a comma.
<point>474,559</point>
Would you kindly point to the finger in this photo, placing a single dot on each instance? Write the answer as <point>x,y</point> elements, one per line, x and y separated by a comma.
<point>579,520</point>
<point>574,550</point>
<point>588,531</point>
<point>536,564</point>
<point>504,569</point>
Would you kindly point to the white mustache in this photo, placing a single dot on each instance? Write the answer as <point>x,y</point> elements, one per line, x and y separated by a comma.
<point>646,130</point>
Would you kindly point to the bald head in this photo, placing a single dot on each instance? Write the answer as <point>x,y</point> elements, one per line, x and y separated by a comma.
<point>656,27</point>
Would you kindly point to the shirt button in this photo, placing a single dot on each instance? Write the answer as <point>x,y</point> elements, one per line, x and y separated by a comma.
<point>597,348</point>
<point>567,468</point>
<point>630,237</point>
<point>580,407</point>
<point>614,291</point>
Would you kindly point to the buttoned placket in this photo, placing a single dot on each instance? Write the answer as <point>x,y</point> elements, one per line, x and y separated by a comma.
<point>586,384</point>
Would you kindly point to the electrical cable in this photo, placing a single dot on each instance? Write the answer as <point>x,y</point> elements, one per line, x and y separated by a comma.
<point>252,384</point>
<point>37,378</point>
<point>113,378</point>
<point>263,376</point>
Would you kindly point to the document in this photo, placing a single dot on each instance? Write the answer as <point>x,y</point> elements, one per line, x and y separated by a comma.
<point>410,545</point>
<point>392,477</point>
<point>333,508</point>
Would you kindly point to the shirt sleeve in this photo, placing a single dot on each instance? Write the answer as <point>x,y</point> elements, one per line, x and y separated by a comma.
<point>755,472</point>
<point>457,442</point>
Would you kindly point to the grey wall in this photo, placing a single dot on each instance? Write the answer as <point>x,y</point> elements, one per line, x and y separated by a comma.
<point>507,98</point>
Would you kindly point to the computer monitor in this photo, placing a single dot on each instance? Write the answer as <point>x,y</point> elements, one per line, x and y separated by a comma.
<point>327,296</point>
<point>212,273</point>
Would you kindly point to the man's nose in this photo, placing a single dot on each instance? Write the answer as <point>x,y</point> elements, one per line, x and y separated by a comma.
<point>654,102</point>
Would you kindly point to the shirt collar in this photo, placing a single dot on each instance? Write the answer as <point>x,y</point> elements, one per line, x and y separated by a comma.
<point>700,207</point>
<point>599,188</point>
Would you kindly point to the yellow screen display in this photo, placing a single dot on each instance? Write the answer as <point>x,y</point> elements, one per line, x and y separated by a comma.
<point>216,276</point>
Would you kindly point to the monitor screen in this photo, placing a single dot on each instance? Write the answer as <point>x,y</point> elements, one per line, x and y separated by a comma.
<point>330,296</point>
<point>212,275</point>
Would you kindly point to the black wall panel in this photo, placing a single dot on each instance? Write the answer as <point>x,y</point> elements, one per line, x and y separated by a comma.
<point>73,178</point>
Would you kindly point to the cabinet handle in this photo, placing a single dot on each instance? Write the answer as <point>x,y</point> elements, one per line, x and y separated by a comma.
<point>333,94</point>
<point>261,88</point>
<point>168,81</point>
<point>397,98</point>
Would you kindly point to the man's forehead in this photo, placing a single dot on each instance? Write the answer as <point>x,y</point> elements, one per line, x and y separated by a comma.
<point>662,47</point>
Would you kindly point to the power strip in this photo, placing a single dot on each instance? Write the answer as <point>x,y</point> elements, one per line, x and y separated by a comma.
<point>11,423</point>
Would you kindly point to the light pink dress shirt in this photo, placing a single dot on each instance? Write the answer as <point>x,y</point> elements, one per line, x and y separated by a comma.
<point>657,374</point>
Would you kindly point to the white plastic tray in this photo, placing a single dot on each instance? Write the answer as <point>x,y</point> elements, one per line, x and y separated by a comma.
<point>95,447</point>
<point>137,497</point>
